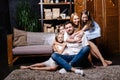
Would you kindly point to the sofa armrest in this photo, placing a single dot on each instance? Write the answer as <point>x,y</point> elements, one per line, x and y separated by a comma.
<point>9,49</point>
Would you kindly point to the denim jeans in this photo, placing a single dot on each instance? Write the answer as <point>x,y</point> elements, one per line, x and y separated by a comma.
<point>67,61</point>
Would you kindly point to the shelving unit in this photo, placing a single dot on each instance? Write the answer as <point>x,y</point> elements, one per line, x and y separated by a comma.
<point>55,13</point>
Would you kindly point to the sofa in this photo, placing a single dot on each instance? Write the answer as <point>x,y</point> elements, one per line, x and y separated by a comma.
<point>25,44</point>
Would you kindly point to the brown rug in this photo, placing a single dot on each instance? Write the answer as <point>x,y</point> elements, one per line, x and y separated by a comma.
<point>100,73</point>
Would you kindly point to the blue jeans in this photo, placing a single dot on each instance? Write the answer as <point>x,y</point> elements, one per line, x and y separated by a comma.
<point>67,61</point>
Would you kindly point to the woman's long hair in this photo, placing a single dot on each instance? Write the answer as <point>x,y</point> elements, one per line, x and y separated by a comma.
<point>89,23</point>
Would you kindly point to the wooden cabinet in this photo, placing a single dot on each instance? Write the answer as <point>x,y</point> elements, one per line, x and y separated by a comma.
<point>55,13</point>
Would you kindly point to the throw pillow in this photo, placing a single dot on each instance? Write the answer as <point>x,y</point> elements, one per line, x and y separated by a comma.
<point>20,38</point>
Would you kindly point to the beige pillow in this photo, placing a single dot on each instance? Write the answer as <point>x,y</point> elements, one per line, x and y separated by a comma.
<point>20,38</point>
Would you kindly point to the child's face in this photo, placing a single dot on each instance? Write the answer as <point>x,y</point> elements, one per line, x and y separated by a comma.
<point>84,18</point>
<point>60,38</point>
<point>62,29</point>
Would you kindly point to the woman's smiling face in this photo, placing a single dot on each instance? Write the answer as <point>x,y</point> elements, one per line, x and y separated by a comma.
<point>76,20</point>
<point>84,18</point>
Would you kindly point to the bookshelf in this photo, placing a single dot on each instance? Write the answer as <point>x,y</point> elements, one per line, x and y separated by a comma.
<point>55,13</point>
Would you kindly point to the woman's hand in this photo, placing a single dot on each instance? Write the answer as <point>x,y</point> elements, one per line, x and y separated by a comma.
<point>78,39</point>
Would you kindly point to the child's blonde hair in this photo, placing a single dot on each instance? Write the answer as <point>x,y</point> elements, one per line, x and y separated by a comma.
<point>56,37</point>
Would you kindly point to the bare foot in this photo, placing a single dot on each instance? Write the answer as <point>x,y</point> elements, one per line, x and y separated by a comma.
<point>95,66</point>
<point>33,68</point>
<point>108,62</point>
<point>105,64</point>
<point>24,67</point>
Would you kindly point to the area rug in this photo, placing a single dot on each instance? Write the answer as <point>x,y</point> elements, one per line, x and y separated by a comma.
<point>100,73</point>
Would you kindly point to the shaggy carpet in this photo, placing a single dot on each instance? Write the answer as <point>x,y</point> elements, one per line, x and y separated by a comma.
<point>100,73</point>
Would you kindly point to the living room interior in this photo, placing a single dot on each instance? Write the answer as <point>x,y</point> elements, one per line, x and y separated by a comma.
<point>105,12</point>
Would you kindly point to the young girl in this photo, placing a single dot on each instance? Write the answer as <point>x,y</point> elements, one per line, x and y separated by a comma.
<point>84,23</point>
<point>61,28</point>
<point>58,47</point>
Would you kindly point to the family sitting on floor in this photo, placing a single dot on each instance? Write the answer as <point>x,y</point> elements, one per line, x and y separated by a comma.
<point>73,45</point>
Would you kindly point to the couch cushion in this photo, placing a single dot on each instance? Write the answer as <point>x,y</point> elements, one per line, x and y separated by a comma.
<point>34,49</point>
<point>20,38</point>
<point>40,38</point>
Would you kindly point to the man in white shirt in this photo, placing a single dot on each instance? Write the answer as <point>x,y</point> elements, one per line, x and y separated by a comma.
<point>67,61</point>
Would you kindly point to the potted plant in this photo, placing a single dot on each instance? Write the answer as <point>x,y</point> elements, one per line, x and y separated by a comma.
<point>26,20</point>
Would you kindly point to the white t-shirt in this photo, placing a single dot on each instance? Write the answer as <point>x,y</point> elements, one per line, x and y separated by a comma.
<point>50,62</point>
<point>60,47</point>
<point>74,48</point>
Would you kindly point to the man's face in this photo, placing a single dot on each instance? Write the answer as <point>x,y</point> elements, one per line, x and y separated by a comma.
<point>69,29</point>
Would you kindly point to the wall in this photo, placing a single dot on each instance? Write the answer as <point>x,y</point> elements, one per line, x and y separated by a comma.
<point>13,4</point>
<point>112,27</point>
<point>79,5</point>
